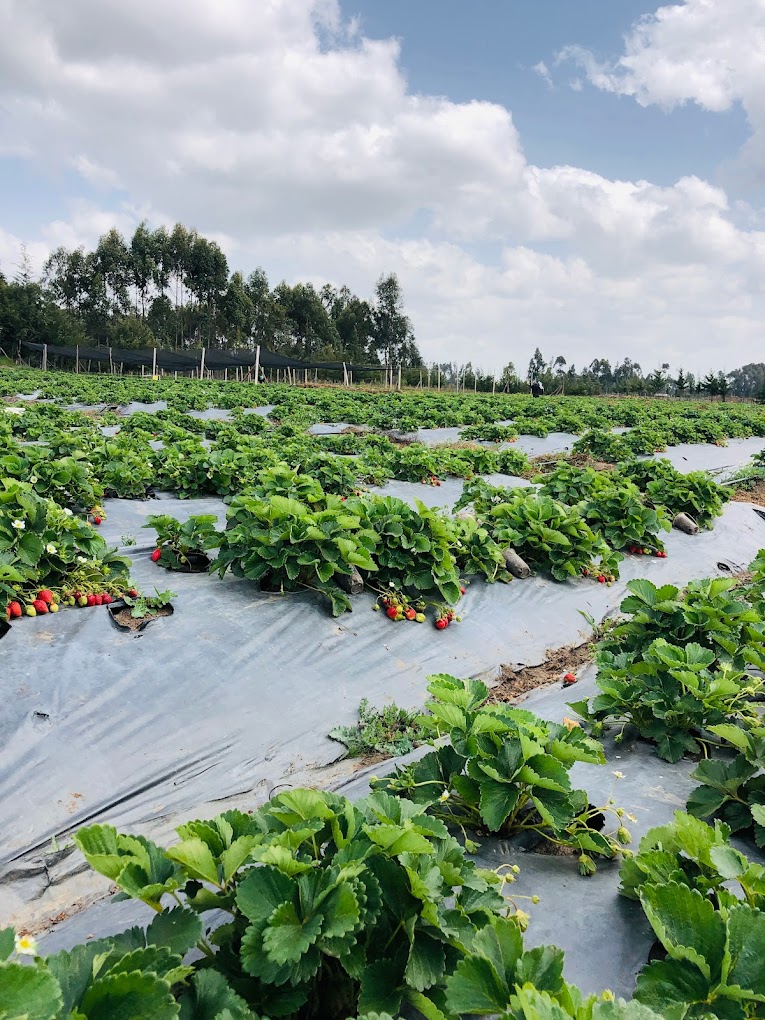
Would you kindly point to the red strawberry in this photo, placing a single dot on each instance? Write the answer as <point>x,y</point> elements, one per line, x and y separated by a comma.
<point>46,595</point>
<point>91,600</point>
<point>40,606</point>
<point>156,555</point>
<point>463,589</point>
<point>585,572</point>
<point>633,550</point>
<point>410,613</point>
<point>133,593</point>
<point>569,679</point>
<point>99,600</point>
<point>97,519</point>
<point>14,609</point>
<point>442,624</point>
<point>392,612</point>
<point>601,579</point>
<point>106,599</point>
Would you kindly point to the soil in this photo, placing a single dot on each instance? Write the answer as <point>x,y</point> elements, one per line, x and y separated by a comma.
<point>754,495</point>
<point>124,618</point>
<point>515,683</point>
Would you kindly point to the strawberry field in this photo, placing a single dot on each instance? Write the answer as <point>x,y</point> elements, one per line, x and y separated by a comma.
<point>267,557</point>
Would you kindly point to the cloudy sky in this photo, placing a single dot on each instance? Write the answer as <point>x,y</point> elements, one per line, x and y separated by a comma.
<point>587,177</point>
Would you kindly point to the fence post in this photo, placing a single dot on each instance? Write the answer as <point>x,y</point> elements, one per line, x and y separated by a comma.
<point>154,363</point>
<point>202,364</point>
<point>257,363</point>
<point>111,363</point>
<point>399,376</point>
<point>45,358</point>
<point>439,377</point>
<point>77,360</point>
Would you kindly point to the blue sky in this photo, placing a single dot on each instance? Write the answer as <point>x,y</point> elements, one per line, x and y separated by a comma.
<point>486,50</point>
<point>613,205</point>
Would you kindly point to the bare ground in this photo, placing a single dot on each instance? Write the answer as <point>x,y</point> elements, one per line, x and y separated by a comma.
<point>515,683</point>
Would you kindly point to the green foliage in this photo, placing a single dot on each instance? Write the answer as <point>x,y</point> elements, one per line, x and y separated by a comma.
<point>389,730</point>
<point>176,541</point>
<point>712,613</point>
<point>285,545</point>
<point>733,789</point>
<point>671,695</point>
<point>547,534</point>
<point>602,445</point>
<point>504,770</point>
<point>695,494</point>
<point>144,606</point>
<point>44,544</point>
<point>360,908</point>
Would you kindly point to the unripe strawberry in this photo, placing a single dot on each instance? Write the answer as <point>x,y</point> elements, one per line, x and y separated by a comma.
<point>31,611</point>
<point>53,607</point>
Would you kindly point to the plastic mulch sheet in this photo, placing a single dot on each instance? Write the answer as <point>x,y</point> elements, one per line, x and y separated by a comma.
<point>234,694</point>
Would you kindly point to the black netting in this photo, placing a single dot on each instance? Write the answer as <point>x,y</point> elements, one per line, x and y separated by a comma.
<point>188,361</point>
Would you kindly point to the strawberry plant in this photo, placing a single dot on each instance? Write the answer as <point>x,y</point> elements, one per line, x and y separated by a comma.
<point>285,545</point>
<point>603,446</point>
<point>696,494</point>
<point>145,607</point>
<point>497,977</point>
<point>512,462</point>
<point>183,546</point>
<point>671,695</point>
<point>698,855</point>
<point>712,613</point>
<point>333,908</point>
<point>489,433</point>
<point>617,512</point>
<point>570,484</point>
<point>550,536</point>
<point>414,546</point>
<point>46,544</point>
<point>506,771</point>
<point>733,789</point>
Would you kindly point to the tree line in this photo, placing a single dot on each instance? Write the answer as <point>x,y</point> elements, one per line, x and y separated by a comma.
<point>173,289</point>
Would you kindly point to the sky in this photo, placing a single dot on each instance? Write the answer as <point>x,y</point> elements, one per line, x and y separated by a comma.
<point>584,177</point>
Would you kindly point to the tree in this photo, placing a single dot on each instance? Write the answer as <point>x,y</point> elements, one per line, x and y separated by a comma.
<point>536,366</point>
<point>392,334</point>
<point>710,384</point>
<point>681,383</point>
<point>723,386</point>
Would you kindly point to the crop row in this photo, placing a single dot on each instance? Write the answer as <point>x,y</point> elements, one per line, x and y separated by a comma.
<point>316,906</point>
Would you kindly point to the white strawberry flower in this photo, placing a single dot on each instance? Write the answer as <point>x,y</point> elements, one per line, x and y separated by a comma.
<point>67,511</point>
<point>26,945</point>
<point>33,480</point>
<point>81,559</point>
<point>19,525</point>
<point>51,549</point>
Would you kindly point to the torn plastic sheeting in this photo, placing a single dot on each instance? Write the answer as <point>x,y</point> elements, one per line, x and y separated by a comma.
<point>239,688</point>
<point>137,405</point>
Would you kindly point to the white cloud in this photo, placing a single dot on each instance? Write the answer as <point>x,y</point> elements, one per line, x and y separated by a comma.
<point>294,140</point>
<point>709,52</point>
<point>544,73</point>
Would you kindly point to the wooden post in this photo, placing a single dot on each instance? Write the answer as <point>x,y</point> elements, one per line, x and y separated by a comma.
<point>45,358</point>
<point>143,371</point>
<point>493,385</point>
<point>399,376</point>
<point>257,363</point>
<point>111,363</point>
<point>439,377</point>
<point>345,375</point>
<point>202,364</point>
<point>475,383</point>
<point>77,360</point>
<point>154,363</point>
<point>429,368</point>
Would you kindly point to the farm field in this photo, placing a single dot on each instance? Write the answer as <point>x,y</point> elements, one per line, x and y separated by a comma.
<point>204,579</point>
